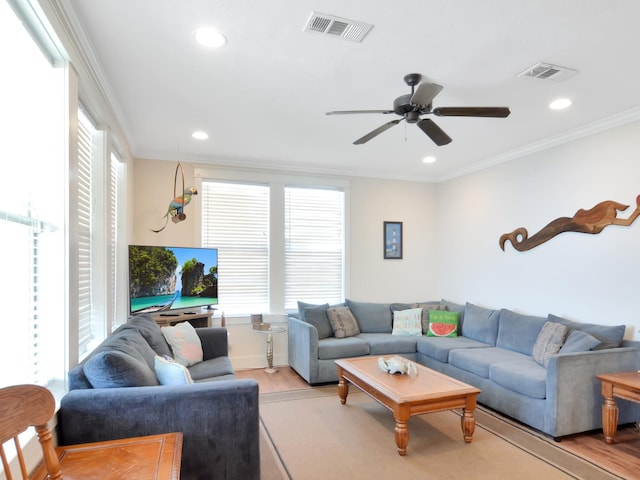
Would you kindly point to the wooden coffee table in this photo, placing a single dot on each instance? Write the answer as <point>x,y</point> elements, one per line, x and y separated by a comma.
<point>404,395</point>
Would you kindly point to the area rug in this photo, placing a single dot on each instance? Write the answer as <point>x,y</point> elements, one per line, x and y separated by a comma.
<point>309,434</point>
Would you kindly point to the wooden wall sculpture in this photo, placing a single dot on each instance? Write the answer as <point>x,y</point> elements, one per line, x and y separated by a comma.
<point>584,221</point>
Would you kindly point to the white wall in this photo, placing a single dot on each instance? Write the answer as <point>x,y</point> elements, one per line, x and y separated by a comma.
<point>414,277</point>
<point>589,278</point>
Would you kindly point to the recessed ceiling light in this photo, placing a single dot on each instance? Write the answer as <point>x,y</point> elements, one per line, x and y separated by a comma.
<point>560,104</point>
<point>210,37</point>
<point>199,135</point>
<point>429,159</point>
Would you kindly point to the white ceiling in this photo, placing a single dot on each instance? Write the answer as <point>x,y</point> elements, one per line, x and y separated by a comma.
<point>263,97</point>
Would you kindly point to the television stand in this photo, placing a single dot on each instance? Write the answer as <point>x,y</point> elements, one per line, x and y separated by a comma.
<point>198,319</point>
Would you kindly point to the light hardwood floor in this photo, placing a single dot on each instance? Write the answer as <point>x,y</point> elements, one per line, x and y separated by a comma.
<point>622,457</point>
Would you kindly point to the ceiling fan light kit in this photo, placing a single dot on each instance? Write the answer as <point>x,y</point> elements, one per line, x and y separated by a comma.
<point>412,106</point>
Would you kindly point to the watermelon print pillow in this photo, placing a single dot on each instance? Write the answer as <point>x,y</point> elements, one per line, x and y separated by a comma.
<point>443,323</point>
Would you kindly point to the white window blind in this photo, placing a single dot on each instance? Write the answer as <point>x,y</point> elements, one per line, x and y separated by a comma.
<point>235,219</point>
<point>85,213</point>
<point>314,246</point>
<point>113,241</point>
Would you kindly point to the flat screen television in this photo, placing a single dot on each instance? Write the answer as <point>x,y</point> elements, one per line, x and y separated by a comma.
<point>172,278</point>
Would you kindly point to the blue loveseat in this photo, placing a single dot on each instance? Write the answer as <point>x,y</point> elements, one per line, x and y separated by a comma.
<point>493,351</point>
<point>217,414</point>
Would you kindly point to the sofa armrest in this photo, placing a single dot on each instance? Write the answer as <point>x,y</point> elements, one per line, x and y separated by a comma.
<point>574,391</point>
<point>215,342</point>
<point>303,349</point>
<point>219,421</point>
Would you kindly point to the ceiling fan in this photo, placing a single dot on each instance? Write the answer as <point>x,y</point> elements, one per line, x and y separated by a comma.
<point>411,106</point>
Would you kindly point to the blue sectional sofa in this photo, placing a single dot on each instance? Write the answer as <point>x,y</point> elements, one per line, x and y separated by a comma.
<point>114,393</point>
<point>493,351</point>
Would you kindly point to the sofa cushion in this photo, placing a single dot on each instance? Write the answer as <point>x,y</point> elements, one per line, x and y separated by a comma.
<point>170,372</point>
<point>610,336</point>
<point>407,322</point>
<point>439,347</point>
<point>114,369</point>
<point>372,317</point>
<point>331,348</point>
<point>479,323</point>
<point>150,330</point>
<point>479,360</point>
<point>185,343</point>
<point>579,341</point>
<point>213,368</point>
<point>518,332</point>
<point>549,341</point>
<point>387,343</point>
<point>443,323</point>
<point>521,376</point>
<point>317,316</point>
<point>342,321</point>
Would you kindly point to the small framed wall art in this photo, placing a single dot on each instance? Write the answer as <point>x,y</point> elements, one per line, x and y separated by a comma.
<point>392,240</point>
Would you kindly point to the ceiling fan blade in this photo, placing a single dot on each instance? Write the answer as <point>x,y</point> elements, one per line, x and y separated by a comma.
<point>499,112</point>
<point>434,132</point>
<point>349,112</point>
<point>377,131</point>
<point>425,93</point>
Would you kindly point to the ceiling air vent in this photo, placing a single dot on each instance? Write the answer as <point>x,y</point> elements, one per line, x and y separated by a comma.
<point>337,27</point>
<point>547,71</point>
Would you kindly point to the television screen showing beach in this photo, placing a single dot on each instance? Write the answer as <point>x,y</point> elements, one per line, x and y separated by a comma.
<point>170,278</point>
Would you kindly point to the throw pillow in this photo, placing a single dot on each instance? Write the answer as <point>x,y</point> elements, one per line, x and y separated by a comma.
<point>149,329</point>
<point>185,343</point>
<point>317,316</point>
<point>549,342</point>
<point>407,322</point>
<point>579,341</point>
<point>170,372</point>
<point>443,323</point>
<point>114,369</point>
<point>342,321</point>
<point>425,313</point>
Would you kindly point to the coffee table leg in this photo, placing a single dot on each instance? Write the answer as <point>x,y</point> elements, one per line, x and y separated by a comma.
<point>609,413</point>
<point>467,421</point>
<point>343,388</point>
<point>402,436</point>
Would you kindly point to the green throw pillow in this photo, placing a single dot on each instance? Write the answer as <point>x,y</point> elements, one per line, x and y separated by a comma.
<point>443,323</point>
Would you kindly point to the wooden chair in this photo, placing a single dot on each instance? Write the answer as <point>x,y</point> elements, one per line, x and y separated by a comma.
<point>23,406</point>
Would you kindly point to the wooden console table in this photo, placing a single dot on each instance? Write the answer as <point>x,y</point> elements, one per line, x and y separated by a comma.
<point>625,385</point>
<point>197,317</point>
<point>153,457</point>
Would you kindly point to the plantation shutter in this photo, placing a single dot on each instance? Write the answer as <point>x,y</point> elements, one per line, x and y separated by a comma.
<point>85,206</point>
<point>113,242</point>
<point>314,246</point>
<point>235,220</point>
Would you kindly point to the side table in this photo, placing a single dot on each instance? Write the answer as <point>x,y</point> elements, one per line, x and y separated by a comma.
<point>269,333</point>
<point>625,385</point>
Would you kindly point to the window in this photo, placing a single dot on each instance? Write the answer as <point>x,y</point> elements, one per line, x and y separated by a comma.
<point>99,176</point>
<point>32,209</point>
<point>277,244</point>
<point>236,221</point>
<point>86,214</point>
<point>314,246</point>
